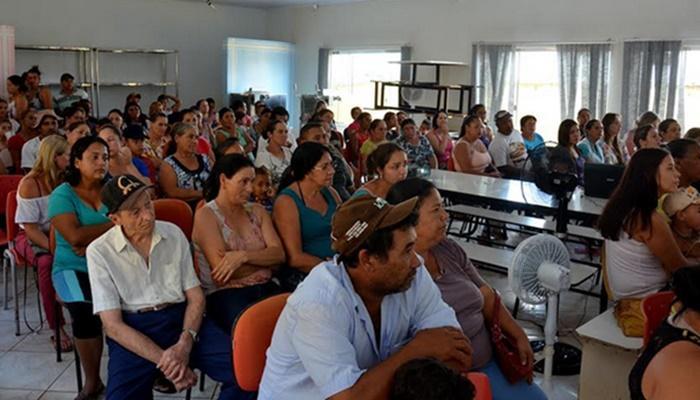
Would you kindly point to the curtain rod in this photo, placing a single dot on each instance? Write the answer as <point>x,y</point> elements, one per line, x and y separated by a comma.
<point>550,43</point>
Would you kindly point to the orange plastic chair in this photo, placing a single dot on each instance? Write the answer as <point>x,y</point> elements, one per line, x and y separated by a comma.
<point>11,254</point>
<point>176,211</point>
<point>252,335</point>
<point>482,385</point>
<point>8,183</point>
<point>655,308</point>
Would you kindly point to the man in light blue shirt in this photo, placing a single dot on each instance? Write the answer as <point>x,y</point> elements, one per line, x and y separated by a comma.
<point>356,319</point>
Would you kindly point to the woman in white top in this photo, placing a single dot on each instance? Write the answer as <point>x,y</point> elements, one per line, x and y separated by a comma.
<point>640,252</point>
<point>32,242</point>
<point>275,156</point>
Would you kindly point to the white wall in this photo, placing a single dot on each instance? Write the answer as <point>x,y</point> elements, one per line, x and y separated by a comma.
<point>446,29</point>
<point>191,27</point>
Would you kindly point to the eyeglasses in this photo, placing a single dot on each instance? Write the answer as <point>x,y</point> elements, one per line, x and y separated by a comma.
<point>324,167</point>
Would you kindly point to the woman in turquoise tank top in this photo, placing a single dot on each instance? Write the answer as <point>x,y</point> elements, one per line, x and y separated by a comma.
<point>304,209</point>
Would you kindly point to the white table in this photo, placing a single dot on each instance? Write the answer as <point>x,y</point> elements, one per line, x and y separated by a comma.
<point>526,195</point>
<point>608,358</point>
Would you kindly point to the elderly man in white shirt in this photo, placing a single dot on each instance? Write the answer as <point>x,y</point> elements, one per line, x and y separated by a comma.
<point>150,302</point>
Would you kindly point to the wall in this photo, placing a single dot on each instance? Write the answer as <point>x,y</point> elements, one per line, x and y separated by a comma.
<point>197,31</point>
<point>446,29</point>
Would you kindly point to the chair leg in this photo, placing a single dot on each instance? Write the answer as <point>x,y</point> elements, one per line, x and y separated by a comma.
<point>78,370</point>
<point>201,381</point>
<point>188,394</point>
<point>57,331</point>
<point>13,271</point>
<point>4,280</point>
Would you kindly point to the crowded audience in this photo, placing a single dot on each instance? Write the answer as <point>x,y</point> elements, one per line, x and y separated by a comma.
<point>343,220</point>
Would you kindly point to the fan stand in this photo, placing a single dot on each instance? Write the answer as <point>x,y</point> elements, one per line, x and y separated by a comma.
<point>565,358</point>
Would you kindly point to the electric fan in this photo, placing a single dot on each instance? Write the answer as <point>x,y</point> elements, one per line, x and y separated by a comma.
<point>410,96</point>
<point>540,271</point>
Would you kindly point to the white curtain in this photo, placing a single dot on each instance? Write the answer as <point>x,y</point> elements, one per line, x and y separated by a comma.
<point>584,74</point>
<point>652,80</point>
<point>493,75</point>
<point>7,56</point>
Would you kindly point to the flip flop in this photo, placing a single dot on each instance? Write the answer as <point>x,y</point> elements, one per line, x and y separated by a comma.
<point>91,396</point>
<point>66,346</point>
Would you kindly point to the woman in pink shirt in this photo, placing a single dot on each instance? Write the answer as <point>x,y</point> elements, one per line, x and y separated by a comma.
<point>439,138</point>
<point>470,155</point>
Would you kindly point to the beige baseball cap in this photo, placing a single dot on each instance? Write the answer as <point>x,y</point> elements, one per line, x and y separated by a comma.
<point>680,200</point>
<point>356,220</point>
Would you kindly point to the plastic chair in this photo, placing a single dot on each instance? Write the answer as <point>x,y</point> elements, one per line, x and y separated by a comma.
<point>655,308</point>
<point>252,335</point>
<point>15,259</point>
<point>481,384</point>
<point>8,183</point>
<point>176,211</point>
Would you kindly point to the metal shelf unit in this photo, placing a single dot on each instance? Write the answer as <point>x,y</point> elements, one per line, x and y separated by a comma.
<point>85,76</point>
<point>444,92</point>
<point>166,57</point>
<point>89,76</point>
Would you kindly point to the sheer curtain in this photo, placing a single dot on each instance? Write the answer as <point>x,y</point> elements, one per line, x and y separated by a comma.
<point>584,73</point>
<point>652,80</point>
<point>493,74</point>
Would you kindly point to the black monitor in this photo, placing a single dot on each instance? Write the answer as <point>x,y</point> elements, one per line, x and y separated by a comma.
<point>599,180</point>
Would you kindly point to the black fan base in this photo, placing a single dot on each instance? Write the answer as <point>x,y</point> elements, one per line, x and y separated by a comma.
<point>567,358</point>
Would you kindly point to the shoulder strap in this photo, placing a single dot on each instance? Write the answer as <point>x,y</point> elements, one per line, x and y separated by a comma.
<point>289,192</point>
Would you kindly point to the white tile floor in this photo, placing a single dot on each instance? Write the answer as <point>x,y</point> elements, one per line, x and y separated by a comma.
<point>28,367</point>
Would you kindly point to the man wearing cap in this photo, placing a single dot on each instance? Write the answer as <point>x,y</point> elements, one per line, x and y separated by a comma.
<point>148,297</point>
<point>46,124</point>
<point>356,319</point>
<point>507,148</point>
<point>68,94</point>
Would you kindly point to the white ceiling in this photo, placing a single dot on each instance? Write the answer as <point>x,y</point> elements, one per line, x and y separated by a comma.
<point>280,3</point>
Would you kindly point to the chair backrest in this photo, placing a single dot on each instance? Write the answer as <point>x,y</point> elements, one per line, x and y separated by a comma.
<point>655,308</point>
<point>8,183</point>
<point>10,211</point>
<point>482,385</point>
<point>176,211</point>
<point>252,335</point>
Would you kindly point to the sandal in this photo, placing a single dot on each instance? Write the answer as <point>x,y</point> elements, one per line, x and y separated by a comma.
<point>91,396</point>
<point>66,344</point>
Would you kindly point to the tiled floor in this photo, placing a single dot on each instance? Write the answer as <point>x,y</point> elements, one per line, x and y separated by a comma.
<point>28,367</point>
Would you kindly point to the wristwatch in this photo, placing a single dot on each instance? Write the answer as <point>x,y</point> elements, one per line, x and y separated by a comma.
<point>192,333</point>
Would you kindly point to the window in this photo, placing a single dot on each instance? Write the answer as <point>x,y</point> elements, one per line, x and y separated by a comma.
<point>537,90</point>
<point>692,88</point>
<point>263,66</point>
<point>350,76</point>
